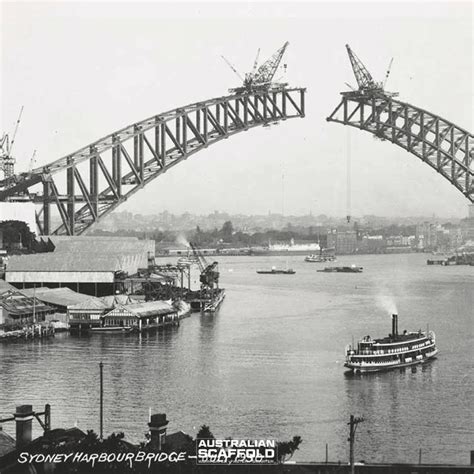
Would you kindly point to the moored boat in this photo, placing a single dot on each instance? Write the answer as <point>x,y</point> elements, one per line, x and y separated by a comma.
<point>351,269</point>
<point>276,271</point>
<point>319,258</point>
<point>396,350</point>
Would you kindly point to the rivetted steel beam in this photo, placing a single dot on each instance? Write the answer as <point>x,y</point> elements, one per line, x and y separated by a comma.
<point>442,145</point>
<point>113,170</point>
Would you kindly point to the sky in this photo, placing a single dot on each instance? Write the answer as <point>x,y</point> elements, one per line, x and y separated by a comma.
<point>85,69</point>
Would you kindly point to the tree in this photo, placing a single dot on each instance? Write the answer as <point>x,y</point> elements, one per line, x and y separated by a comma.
<point>288,448</point>
<point>227,231</point>
<point>204,433</point>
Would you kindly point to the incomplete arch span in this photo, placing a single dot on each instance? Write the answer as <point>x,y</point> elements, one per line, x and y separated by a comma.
<point>96,179</point>
<point>444,146</point>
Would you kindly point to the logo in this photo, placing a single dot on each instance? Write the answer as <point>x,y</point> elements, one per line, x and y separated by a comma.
<point>236,451</point>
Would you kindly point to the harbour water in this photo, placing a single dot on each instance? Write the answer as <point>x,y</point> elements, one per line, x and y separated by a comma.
<point>270,363</point>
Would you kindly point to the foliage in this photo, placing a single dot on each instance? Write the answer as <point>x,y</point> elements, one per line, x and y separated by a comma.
<point>16,233</point>
<point>288,448</point>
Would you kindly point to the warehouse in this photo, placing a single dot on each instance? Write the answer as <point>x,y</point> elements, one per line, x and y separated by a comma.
<point>95,266</point>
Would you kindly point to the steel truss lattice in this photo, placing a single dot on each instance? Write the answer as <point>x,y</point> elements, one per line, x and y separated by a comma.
<point>96,179</point>
<point>447,148</point>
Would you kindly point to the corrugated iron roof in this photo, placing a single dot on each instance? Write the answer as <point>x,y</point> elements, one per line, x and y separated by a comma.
<point>57,296</point>
<point>91,303</point>
<point>114,300</point>
<point>4,287</point>
<point>147,309</point>
<point>17,304</point>
<point>63,262</point>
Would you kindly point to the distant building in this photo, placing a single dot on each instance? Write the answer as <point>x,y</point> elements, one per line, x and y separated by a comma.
<point>344,243</point>
<point>467,225</point>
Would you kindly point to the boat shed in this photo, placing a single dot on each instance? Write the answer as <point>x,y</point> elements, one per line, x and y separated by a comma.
<point>87,314</point>
<point>141,315</point>
<point>17,309</point>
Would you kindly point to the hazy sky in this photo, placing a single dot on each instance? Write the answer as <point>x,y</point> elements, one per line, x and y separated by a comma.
<point>84,70</point>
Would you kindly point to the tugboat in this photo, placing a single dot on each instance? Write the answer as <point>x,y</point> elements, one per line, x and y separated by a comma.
<point>396,350</point>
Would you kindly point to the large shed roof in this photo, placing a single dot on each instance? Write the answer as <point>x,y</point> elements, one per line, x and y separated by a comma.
<point>4,287</point>
<point>63,262</point>
<point>57,296</point>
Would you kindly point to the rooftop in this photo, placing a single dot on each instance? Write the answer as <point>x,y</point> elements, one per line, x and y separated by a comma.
<point>63,262</point>
<point>57,296</point>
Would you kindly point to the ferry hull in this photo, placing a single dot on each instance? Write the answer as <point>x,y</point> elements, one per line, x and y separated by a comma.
<point>357,369</point>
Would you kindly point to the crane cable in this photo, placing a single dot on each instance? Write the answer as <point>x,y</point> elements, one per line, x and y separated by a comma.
<point>348,177</point>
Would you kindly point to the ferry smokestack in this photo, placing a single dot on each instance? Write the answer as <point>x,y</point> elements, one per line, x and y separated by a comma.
<point>394,325</point>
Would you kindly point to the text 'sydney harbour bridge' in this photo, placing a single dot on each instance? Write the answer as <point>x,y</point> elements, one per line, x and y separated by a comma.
<point>88,184</point>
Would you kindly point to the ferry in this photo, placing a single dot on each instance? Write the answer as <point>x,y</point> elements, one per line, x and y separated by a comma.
<point>396,350</point>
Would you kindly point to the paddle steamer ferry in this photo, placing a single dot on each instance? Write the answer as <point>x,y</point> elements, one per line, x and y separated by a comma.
<point>396,350</point>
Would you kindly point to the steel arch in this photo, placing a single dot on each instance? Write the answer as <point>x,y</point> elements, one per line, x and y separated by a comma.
<point>154,146</point>
<point>444,146</point>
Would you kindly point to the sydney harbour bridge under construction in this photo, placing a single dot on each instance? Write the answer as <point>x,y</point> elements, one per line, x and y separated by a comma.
<point>87,185</point>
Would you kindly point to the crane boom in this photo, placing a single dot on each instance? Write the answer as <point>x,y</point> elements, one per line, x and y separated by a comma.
<point>363,77</point>
<point>16,129</point>
<point>266,72</point>
<point>232,67</point>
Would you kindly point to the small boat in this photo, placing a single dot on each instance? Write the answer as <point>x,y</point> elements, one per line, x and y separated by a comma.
<point>275,271</point>
<point>351,269</point>
<point>396,350</point>
<point>319,258</point>
<point>112,329</point>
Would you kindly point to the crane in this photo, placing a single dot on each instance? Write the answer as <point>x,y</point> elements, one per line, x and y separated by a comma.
<point>209,277</point>
<point>261,77</point>
<point>7,162</point>
<point>365,82</point>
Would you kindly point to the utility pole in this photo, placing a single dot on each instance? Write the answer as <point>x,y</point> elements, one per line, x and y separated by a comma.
<point>352,430</point>
<point>101,366</point>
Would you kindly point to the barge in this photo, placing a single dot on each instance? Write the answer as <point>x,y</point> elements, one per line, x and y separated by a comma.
<point>351,269</point>
<point>319,258</point>
<point>396,350</point>
<point>275,271</point>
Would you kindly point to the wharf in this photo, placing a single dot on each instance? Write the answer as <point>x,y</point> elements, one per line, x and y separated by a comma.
<point>206,302</point>
<point>29,332</point>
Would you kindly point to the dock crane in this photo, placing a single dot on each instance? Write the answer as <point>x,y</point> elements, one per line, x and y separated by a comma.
<point>209,277</point>
<point>261,78</point>
<point>7,162</point>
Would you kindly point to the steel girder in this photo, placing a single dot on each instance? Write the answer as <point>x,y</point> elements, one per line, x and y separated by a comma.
<point>102,175</point>
<point>444,146</point>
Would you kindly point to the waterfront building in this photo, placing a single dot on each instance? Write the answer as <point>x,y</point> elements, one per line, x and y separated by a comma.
<point>87,314</point>
<point>17,310</point>
<point>140,315</point>
<point>94,266</point>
